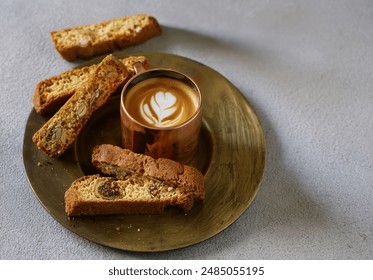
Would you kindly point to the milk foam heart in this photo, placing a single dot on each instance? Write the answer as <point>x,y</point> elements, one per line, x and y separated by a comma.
<point>163,99</point>
<point>161,107</point>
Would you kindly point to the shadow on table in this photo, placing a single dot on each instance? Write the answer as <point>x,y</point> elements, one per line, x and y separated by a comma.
<point>180,41</point>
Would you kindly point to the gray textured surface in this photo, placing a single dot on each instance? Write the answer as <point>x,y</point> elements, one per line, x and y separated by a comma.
<point>306,67</point>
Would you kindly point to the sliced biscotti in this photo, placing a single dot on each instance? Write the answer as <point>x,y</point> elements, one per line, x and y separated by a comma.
<point>54,137</point>
<point>133,194</point>
<point>115,161</point>
<point>50,94</point>
<point>89,40</point>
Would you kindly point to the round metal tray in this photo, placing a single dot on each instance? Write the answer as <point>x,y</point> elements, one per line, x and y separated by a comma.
<point>231,156</point>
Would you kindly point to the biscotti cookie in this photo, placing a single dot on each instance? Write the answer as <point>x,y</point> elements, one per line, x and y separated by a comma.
<point>89,40</point>
<point>115,161</point>
<point>61,130</point>
<point>95,195</point>
<point>50,94</point>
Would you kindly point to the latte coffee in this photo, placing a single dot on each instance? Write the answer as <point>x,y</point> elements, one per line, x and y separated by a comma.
<point>161,114</point>
<point>161,102</point>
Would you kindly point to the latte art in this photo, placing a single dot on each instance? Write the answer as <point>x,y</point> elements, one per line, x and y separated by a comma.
<point>162,110</point>
<point>161,102</point>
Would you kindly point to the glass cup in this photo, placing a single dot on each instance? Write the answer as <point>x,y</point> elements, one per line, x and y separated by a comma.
<point>161,114</point>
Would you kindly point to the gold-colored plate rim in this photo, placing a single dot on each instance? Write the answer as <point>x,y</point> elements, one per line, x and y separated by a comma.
<point>232,178</point>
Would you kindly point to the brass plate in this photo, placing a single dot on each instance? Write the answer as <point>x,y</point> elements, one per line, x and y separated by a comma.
<point>231,156</point>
